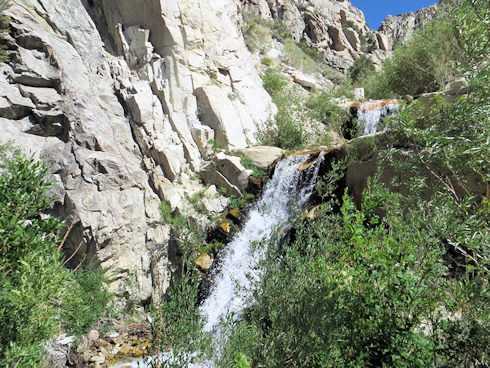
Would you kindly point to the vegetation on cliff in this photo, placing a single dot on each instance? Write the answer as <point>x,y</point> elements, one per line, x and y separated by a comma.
<point>39,297</point>
<point>4,29</point>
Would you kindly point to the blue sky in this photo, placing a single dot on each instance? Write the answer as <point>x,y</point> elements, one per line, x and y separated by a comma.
<point>377,10</point>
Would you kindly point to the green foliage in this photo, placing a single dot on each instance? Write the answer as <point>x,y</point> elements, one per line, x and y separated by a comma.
<point>4,29</point>
<point>241,361</point>
<point>401,279</point>
<point>273,81</point>
<point>38,296</point>
<point>287,131</point>
<point>321,108</point>
<point>216,145</point>
<point>177,323</point>
<point>87,301</point>
<point>421,65</point>
<point>473,30</point>
<point>294,115</point>
<point>266,61</point>
<point>357,290</point>
<point>258,32</point>
<point>238,202</point>
<point>249,165</point>
<point>362,67</point>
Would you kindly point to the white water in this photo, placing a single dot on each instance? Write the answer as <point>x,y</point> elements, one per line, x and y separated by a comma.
<point>289,189</point>
<point>371,112</point>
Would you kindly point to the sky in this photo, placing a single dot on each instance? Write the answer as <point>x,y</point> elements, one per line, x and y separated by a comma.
<point>376,11</point>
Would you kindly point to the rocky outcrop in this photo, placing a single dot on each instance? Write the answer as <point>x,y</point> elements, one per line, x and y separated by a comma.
<point>400,28</point>
<point>108,93</point>
<point>335,28</point>
<point>263,156</point>
<point>339,30</point>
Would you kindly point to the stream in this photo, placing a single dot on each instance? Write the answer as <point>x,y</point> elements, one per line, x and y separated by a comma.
<point>286,192</point>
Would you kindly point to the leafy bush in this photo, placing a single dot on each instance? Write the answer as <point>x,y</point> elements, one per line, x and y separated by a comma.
<point>177,323</point>
<point>4,29</point>
<point>297,121</point>
<point>267,61</point>
<point>257,31</point>
<point>362,67</point>
<point>421,65</point>
<point>249,165</point>
<point>287,131</point>
<point>322,108</point>
<point>273,81</point>
<point>38,296</point>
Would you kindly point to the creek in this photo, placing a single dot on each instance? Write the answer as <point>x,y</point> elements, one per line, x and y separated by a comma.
<point>287,192</point>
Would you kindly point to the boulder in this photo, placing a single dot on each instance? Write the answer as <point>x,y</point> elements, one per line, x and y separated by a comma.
<point>211,176</point>
<point>337,41</point>
<point>204,261</point>
<point>305,80</point>
<point>358,94</point>
<point>353,38</point>
<point>457,88</point>
<point>217,111</point>
<point>231,168</point>
<point>382,41</point>
<point>202,134</point>
<point>262,156</point>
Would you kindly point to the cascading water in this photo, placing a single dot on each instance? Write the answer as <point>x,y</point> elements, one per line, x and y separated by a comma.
<point>289,189</point>
<point>371,112</point>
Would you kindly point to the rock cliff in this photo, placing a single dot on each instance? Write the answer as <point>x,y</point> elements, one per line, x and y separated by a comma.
<point>400,28</point>
<point>108,93</point>
<point>334,27</point>
<point>121,98</point>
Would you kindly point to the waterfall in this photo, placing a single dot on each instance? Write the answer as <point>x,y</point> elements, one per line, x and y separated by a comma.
<point>371,112</point>
<point>289,189</point>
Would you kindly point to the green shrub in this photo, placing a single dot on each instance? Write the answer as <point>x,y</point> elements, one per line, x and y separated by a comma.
<point>38,296</point>
<point>273,81</point>
<point>249,165</point>
<point>4,29</point>
<point>257,31</point>
<point>421,65</point>
<point>321,108</point>
<point>267,61</point>
<point>362,67</point>
<point>287,129</point>
<point>295,56</point>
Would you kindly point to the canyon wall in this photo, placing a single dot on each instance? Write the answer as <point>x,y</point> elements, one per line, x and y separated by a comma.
<point>120,99</point>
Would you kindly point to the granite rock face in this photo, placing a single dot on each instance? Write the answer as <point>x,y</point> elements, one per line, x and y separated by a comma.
<point>105,93</point>
<point>334,27</point>
<point>400,28</point>
<point>339,30</point>
<point>121,98</point>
